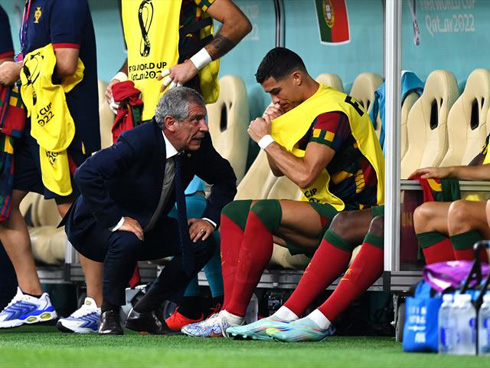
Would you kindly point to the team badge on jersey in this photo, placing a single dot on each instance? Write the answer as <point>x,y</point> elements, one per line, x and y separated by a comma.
<point>37,14</point>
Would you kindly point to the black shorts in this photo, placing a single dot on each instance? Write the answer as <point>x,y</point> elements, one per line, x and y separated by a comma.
<point>27,175</point>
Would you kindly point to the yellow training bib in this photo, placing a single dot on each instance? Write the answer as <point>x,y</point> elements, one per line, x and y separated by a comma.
<point>51,122</point>
<point>151,31</point>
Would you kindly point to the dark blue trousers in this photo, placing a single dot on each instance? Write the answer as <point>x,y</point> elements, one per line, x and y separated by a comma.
<point>120,250</point>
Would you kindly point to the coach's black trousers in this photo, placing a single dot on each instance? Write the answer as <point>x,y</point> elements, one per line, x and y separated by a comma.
<point>120,250</point>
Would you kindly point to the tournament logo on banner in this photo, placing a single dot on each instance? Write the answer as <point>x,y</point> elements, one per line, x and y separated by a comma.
<point>333,21</point>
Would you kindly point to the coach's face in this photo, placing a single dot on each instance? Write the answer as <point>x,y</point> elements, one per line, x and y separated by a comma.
<point>285,91</point>
<point>189,132</point>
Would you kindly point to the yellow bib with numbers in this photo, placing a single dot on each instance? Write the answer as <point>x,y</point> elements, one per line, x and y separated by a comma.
<point>289,128</point>
<point>151,30</point>
<point>51,122</point>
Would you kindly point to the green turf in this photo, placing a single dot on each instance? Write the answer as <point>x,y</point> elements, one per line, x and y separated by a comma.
<point>43,346</point>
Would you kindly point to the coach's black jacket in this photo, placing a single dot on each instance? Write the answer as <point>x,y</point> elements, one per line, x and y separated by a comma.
<point>126,180</point>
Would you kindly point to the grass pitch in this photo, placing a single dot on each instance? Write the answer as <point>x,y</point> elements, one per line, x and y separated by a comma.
<point>44,346</point>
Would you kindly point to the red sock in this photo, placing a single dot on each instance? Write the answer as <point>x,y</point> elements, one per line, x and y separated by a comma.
<point>231,239</point>
<point>326,265</point>
<point>364,271</point>
<point>469,255</point>
<point>255,254</point>
<point>436,247</point>
<point>463,246</point>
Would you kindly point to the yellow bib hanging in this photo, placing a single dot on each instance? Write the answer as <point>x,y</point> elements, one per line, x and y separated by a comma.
<point>151,30</point>
<point>289,128</point>
<point>51,122</point>
<point>208,76</point>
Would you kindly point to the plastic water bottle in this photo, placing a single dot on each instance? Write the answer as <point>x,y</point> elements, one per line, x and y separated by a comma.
<point>446,325</point>
<point>252,310</point>
<point>465,316</point>
<point>484,327</point>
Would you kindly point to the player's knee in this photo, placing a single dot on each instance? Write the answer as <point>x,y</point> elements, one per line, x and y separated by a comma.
<point>342,224</point>
<point>234,207</point>
<point>377,226</point>
<point>269,212</point>
<point>459,216</point>
<point>458,211</point>
<point>421,218</point>
<point>237,212</point>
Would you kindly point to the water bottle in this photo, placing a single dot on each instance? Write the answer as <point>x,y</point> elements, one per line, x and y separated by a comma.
<point>446,325</point>
<point>252,310</point>
<point>465,316</point>
<point>484,327</point>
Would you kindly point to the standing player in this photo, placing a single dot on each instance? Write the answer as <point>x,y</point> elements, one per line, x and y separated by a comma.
<point>67,25</point>
<point>7,272</point>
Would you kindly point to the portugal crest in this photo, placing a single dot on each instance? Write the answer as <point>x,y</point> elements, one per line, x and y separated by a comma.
<point>37,14</point>
<point>328,13</point>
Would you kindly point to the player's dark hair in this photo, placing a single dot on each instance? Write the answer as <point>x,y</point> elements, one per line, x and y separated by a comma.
<point>279,63</point>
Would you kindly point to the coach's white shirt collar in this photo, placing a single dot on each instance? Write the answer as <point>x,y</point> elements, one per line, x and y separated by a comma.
<point>169,148</point>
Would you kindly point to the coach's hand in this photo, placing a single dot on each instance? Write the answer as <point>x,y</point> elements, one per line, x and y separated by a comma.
<point>132,226</point>
<point>199,229</point>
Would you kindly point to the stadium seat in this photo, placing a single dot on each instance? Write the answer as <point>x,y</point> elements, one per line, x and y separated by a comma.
<point>426,125</point>
<point>258,180</point>
<point>407,104</point>
<point>48,242</point>
<point>363,89</point>
<point>467,120</point>
<point>331,80</point>
<point>228,119</point>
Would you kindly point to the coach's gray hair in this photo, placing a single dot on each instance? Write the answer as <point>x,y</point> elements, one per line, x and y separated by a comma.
<point>175,103</point>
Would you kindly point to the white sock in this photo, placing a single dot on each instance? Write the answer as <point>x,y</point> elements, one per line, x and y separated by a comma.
<point>232,319</point>
<point>285,314</point>
<point>319,319</point>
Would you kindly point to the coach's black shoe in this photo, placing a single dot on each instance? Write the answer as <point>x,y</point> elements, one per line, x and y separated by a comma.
<point>146,322</point>
<point>110,324</point>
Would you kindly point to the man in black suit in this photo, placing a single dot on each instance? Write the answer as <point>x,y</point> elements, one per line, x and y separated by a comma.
<point>127,191</point>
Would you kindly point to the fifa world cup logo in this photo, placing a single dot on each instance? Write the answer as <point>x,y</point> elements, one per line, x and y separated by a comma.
<point>145,17</point>
<point>32,70</point>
